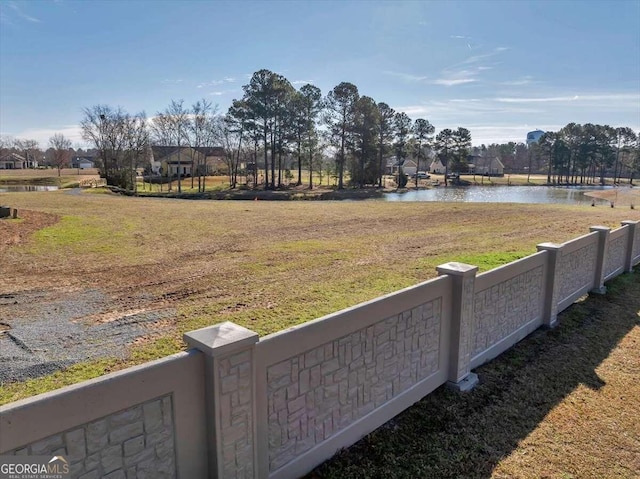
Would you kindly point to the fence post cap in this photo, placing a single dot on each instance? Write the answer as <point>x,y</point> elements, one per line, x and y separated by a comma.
<point>221,338</point>
<point>548,246</point>
<point>457,269</point>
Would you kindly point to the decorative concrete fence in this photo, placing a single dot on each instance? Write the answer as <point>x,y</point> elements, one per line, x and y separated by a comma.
<point>236,405</point>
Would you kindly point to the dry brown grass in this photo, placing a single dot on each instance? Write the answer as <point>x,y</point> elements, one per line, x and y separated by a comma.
<point>208,256</point>
<point>264,265</point>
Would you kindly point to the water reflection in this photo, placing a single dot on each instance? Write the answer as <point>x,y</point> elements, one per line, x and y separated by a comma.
<point>21,188</point>
<point>502,194</point>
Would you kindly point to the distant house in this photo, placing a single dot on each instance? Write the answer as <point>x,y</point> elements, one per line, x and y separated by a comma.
<point>173,161</point>
<point>488,166</point>
<point>409,167</point>
<point>390,165</point>
<point>437,167</point>
<point>13,161</point>
<point>82,162</point>
<point>472,161</point>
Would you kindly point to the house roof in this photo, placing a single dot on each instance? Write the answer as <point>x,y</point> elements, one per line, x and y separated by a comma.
<point>394,162</point>
<point>12,157</point>
<point>160,152</point>
<point>491,162</point>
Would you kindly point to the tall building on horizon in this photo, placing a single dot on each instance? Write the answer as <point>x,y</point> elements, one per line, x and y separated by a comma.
<point>534,136</point>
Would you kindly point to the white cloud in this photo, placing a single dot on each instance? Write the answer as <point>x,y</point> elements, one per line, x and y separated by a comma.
<point>497,120</point>
<point>222,92</point>
<point>588,98</point>
<point>20,13</point>
<point>483,56</point>
<point>228,79</point>
<point>526,80</point>
<point>210,83</point>
<point>453,81</point>
<point>452,77</point>
<point>487,134</point>
<point>42,135</point>
<point>302,82</point>
<point>413,110</point>
<point>405,76</point>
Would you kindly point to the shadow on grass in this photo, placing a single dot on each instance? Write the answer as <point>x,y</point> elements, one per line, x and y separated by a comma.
<point>452,435</point>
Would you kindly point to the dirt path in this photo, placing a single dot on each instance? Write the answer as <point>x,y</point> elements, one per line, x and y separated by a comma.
<point>13,233</point>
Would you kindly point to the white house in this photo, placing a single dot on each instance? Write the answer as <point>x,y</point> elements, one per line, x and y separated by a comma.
<point>489,166</point>
<point>12,161</point>
<point>409,167</point>
<point>437,167</point>
<point>186,161</point>
<point>82,162</point>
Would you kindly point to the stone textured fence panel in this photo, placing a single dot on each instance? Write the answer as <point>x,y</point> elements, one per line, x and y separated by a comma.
<point>344,368</point>
<point>616,252</point>
<point>508,305</point>
<point>138,442</point>
<point>576,269</point>
<point>146,421</point>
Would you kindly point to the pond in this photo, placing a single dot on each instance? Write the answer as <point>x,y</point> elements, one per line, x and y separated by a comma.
<point>502,194</point>
<point>21,188</point>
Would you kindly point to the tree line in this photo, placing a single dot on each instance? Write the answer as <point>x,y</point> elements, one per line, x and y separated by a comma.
<point>274,124</point>
<point>270,124</point>
<point>586,153</point>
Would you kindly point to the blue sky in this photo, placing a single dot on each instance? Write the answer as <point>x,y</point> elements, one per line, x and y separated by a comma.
<point>497,68</point>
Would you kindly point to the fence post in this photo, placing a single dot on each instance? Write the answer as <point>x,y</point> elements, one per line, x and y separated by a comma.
<point>463,275</point>
<point>633,228</point>
<point>230,396</point>
<point>601,256</point>
<point>550,312</point>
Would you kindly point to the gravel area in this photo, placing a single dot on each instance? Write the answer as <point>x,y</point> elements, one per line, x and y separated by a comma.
<point>44,331</point>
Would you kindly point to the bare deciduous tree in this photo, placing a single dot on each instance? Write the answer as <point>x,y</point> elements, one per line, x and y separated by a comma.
<point>61,154</point>
<point>174,131</point>
<point>121,139</point>
<point>202,136</point>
